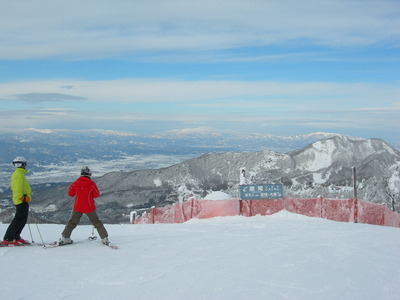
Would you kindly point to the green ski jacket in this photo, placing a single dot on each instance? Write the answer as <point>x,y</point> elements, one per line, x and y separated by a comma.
<point>20,187</point>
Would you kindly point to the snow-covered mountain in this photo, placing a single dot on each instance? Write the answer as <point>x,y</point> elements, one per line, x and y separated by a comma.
<point>57,155</point>
<point>323,168</point>
<point>50,146</point>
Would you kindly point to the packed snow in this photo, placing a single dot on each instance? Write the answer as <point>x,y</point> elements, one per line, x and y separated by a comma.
<point>282,256</point>
<point>218,195</point>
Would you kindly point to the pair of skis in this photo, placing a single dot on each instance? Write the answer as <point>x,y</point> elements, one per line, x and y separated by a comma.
<point>59,244</point>
<point>56,244</point>
<point>16,245</point>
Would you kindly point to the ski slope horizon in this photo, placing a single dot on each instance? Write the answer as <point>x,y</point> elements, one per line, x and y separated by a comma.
<point>281,256</point>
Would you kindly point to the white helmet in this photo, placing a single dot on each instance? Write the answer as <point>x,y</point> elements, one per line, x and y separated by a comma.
<point>19,162</point>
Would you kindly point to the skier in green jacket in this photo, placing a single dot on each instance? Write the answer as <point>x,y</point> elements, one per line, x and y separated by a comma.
<point>21,195</point>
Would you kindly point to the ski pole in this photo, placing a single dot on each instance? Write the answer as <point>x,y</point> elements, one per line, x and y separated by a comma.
<point>30,232</point>
<point>93,237</point>
<point>34,219</point>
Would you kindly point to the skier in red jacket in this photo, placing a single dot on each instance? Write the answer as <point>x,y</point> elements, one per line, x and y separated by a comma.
<point>84,190</point>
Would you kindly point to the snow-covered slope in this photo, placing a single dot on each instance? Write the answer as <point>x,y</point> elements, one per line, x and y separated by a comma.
<point>282,256</point>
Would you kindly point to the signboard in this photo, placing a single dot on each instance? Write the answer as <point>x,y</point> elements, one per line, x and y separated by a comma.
<point>261,191</point>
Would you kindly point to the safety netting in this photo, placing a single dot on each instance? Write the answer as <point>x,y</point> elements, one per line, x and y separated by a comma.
<point>342,210</point>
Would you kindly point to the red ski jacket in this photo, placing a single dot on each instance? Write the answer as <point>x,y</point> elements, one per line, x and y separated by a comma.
<point>84,190</point>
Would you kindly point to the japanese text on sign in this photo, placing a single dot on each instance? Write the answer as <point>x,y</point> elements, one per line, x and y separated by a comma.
<point>264,191</point>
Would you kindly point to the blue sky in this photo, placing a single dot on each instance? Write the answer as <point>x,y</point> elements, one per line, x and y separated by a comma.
<point>272,67</point>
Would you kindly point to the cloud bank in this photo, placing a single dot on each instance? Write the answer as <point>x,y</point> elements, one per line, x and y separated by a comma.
<point>94,29</point>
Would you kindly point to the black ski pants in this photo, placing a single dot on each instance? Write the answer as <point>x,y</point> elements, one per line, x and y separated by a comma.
<point>18,223</point>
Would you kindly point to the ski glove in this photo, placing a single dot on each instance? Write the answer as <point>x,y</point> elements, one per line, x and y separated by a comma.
<point>25,198</point>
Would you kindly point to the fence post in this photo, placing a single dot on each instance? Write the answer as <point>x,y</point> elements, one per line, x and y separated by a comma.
<point>183,212</point>
<point>321,199</point>
<point>240,207</point>
<point>153,215</point>
<point>355,194</point>
<point>354,182</point>
<point>250,208</point>
<point>133,216</point>
<point>191,209</point>
<point>355,210</point>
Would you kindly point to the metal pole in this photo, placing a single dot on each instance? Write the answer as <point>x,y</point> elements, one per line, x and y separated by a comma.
<point>34,219</point>
<point>30,232</point>
<point>355,195</point>
<point>242,177</point>
<point>93,237</point>
<point>354,182</point>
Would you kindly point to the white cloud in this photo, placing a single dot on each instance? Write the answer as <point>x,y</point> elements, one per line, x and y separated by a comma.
<point>122,104</point>
<point>252,92</point>
<point>90,29</point>
<point>45,97</point>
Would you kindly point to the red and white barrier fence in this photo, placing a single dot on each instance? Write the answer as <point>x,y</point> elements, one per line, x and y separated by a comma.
<point>346,210</point>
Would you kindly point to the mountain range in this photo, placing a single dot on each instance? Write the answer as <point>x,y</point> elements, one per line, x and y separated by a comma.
<point>57,155</point>
<point>321,168</point>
